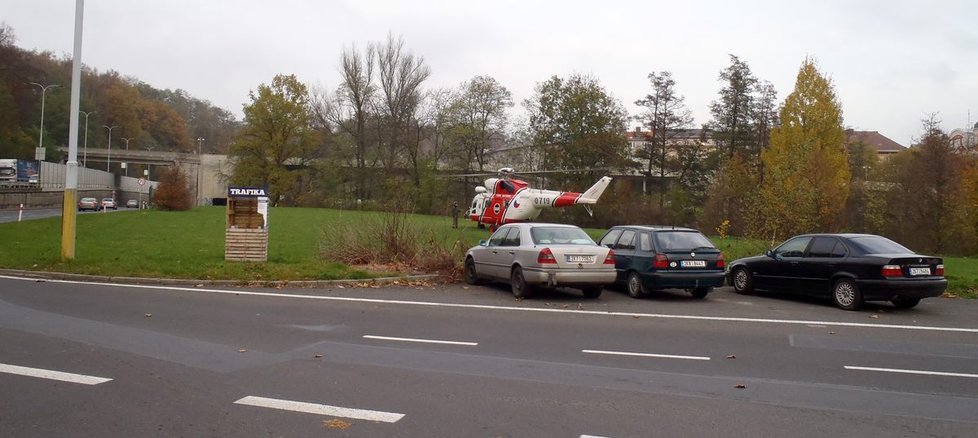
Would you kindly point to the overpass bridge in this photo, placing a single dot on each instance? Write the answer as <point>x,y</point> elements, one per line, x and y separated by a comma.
<point>206,173</point>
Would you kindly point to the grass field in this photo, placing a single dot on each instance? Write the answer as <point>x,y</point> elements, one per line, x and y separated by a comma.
<point>190,244</point>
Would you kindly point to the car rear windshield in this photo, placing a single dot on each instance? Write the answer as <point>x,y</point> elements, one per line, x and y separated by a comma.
<point>879,245</point>
<point>682,240</point>
<point>563,235</point>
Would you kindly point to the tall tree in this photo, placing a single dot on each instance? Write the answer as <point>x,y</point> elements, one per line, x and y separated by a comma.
<point>806,174</point>
<point>666,116</point>
<point>476,116</point>
<point>578,125</point>
<point>276,134</point>
<point>401,76</point>
<point>351,112</point>
<point>733,121</point>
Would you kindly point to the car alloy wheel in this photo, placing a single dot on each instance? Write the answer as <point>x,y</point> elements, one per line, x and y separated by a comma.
<point>742,282</point>
<point>846,295</point>
<point>634,285</point>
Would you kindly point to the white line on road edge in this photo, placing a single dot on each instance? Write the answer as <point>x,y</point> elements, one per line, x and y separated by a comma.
<point>52,375</point>
<point>928,373</point>
<point>592,436</point>
<point>313,408</point>
<point>424,341</point>
<point>507,308</point>
<point>661,356</point>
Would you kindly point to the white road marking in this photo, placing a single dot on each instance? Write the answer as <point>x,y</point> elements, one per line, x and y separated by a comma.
<point>661,356</point>
<point>52,375</point>
<point>423,341</point>
<point>592,436</point>
<point>514,309</point>
<point>927,373</point>
<point>313,408</point>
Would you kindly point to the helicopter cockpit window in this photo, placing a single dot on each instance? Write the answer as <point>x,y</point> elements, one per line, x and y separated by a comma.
<point>505,187</point>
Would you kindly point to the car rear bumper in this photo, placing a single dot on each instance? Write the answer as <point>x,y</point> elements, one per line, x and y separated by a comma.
<point>907,288</point>
<point>683,280</point>
<point>569,277</point>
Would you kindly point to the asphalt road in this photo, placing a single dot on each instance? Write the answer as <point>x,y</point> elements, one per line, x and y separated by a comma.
<point>455,360</point>
<point>12,215</point>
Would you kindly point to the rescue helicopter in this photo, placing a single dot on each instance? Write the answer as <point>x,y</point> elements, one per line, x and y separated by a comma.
<point>505,199</point>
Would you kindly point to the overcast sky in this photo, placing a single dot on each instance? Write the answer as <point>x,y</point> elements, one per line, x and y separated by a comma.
<point>891,62</point>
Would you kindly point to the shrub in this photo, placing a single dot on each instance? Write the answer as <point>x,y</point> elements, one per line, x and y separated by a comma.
<point>392,239</point>
<point>173,192</point>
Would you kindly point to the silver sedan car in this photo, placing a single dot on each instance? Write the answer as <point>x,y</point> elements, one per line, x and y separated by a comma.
<point>530,255</point>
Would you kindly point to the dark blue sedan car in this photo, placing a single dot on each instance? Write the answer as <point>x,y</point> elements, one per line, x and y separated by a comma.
<point>664,257</point>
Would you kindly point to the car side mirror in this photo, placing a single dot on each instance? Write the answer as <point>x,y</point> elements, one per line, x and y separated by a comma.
<point>483,243</point>
<point>770,254</point>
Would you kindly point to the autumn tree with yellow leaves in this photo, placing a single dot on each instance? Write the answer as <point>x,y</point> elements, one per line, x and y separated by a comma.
<point>806,172</point>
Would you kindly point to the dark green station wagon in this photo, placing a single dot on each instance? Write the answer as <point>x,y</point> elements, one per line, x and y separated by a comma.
<point>653,257</point>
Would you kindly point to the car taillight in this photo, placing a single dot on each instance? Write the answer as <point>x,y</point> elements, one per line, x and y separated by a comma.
<point>660,261</point>
<point>546,257</point>
<point>720,262</point>
<point>892,271</point>
<point>939,270</point>
<point>610,258</point>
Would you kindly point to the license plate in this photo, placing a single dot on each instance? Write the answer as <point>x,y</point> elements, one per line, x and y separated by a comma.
<point>580,259</point>
<point>919,271</point>
<point>693,263</point>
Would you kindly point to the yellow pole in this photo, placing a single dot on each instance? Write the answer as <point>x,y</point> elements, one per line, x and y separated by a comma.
<point>68,215</point>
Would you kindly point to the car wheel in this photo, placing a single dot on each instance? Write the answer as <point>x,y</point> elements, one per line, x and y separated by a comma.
<point>591,292</point>
<point>905,303</point>
<point>846,295</point>
<point>742,282</point>
<point>470,276</point>
<point>518,283</point>
<point>634,285</point>
<point>700,292</point>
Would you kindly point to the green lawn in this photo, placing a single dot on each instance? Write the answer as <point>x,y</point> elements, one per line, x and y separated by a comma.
<point>190,244</point>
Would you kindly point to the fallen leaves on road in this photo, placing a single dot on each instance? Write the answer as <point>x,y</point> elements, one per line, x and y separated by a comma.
<point>831,333</point>
<point>740,386</point>
<point>318,355</point>
<point>732,356</point>
<point>874,316</point>
<point>336,424</point>
<point>148,315</point>
<point>243,350</point>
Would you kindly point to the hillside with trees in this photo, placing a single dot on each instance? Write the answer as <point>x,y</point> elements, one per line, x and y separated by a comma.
<point>153,119</point>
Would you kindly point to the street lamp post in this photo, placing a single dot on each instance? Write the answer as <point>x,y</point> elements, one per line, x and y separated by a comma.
<point>85,155</point>
<point>127,150</point>
<point>200,141</point>
<point>108,154</point>
<point>44,90</point>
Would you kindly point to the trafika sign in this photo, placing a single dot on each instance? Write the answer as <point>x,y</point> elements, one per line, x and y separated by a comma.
<point>247,191</point>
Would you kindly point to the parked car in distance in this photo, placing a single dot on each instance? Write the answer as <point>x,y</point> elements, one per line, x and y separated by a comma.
<point>849,268</point>
<point>664,257</point>
<point>109,203</point>
<point>530,255</point>
<point>132,203</point>
<point>88,204</point>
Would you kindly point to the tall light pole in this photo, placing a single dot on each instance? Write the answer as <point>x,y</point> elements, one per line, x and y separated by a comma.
<point>44,90</point>
<point>127,150</point>
<point>68,212</point>
<point>200,141</point>
<point>85,155</point>
<point>108,154</point>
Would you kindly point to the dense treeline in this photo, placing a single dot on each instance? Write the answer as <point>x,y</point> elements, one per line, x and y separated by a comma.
<point>150,118</point>
<point>383,139</point>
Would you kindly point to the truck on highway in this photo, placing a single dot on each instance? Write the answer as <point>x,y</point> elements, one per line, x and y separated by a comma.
<point>14,172</point>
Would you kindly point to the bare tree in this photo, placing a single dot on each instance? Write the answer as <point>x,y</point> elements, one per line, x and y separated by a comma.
<point>350,110</point>
<point>401,76</point>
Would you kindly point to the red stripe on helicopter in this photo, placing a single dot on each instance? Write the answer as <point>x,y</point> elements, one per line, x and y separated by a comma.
<point>566,199</point>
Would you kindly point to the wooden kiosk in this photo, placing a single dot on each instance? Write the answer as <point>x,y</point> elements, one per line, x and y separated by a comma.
<point>246,237</point>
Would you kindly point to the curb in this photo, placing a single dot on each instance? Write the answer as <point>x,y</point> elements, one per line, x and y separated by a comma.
<point>41,275</point>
